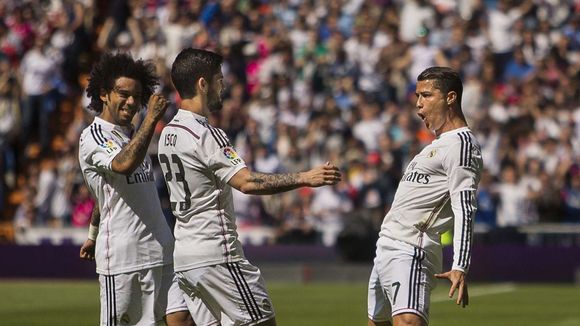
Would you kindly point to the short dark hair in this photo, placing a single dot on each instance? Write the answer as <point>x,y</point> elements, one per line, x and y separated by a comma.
<point>191,65</point>
<point>444,79</point>
<point>113,66</point>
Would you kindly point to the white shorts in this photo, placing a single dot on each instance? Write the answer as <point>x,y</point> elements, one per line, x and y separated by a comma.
<point>234,292</point>
<point>143,297</point>
<point>401,281</point>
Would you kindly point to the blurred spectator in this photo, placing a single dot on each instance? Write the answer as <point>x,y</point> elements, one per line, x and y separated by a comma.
<point>39,71</point>
<point>45,190</point>
<point>9,128</point>
<point>421,55</point>
<point>82,206</point>
<point>121,27</point>
<point>517,68</point>
<point>369,127</point>
<point>329,205</point>
<point>486,202</point>
<point>297,226</point>
<point>501,34</point>
<point>307,82</point>
<point>514,200</point>
<point>571,196</point>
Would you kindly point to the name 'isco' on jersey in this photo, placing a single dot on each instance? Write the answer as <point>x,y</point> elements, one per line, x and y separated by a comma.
<point>197,162</point>
<point>437,193</point>
<point>133,232</point>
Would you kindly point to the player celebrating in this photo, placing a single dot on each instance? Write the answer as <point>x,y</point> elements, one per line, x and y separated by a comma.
<point>134,247</point>
<point>200,167</point>
<point>435,194</point>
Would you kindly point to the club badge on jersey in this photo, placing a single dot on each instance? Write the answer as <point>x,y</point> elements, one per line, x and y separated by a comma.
<point>232,156</point>
<point>109,146</point>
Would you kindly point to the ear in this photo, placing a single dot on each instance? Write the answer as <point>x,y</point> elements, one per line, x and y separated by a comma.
<point>104,96</point>
<point>202,85</point>
<point>451,97</point>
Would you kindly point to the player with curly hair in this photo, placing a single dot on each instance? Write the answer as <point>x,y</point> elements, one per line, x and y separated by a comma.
<point>134,245</point>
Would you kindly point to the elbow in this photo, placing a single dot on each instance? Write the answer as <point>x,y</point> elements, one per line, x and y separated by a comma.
<point>124,169</point>
<point>248,189</point>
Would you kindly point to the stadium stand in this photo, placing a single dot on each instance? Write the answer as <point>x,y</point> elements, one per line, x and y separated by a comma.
<point>308,81</point>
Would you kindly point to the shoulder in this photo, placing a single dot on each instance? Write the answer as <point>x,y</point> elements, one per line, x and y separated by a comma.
<point>462,148</point>
<point>185,127</point>
<point>96,135</point>
<point>213,135</point>
<point>461,138</point>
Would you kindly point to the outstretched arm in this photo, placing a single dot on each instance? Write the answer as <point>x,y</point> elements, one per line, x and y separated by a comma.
<point>134,152</point>
<point>257,183</point>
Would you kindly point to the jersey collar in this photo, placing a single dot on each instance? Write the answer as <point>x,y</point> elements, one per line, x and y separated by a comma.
<point>453,132</point>
<point>193,114</point>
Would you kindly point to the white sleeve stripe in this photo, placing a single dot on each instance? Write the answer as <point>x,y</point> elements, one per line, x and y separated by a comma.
<point>225,137</point>
<point>465,158</point>
<point>96,135</point>
<point>100,131</point>
<point>221,139</point>
<point>464,229</point>
<point>464,252</point>
<point>218,137</point>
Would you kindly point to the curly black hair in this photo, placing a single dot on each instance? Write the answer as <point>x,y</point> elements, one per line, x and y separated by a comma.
<point>111,67</point>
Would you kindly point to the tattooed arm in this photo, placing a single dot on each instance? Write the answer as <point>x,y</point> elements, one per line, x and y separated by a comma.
<point>134,152</point>
<point>257,183</point>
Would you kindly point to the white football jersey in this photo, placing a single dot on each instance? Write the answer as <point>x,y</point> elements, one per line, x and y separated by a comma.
<point>437,193</point>
<point>198,161</point>
<point>133,233</point>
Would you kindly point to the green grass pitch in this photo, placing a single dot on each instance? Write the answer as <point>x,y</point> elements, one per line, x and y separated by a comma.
<point>75,303</point>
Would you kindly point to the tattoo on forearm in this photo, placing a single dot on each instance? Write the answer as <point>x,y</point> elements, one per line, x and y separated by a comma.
<point>275,182</point>
<point>138,147</point>
<point>134,152</point>
<point>95,216</point>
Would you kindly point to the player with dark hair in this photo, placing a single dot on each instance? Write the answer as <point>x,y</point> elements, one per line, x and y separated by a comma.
<point>134,246</point>
<point>200,168</point>
<point>435,194</point>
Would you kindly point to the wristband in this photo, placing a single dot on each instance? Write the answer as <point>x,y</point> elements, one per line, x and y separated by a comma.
<point>93,232</point>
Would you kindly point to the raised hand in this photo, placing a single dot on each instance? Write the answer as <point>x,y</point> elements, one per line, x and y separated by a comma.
<point>157,106</point>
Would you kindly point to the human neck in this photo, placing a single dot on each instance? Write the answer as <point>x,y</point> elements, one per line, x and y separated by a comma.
<point>452,124</point>
<point>195,105</point>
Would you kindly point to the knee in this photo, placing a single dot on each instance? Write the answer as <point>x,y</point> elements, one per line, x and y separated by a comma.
<point>269,322</point>
<point>378,323</point>
<point>408,320</point>
<point>180,318</point>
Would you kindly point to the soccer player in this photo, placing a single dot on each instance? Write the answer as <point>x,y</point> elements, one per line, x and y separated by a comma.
<point>134,247</point>
<point>435,194</point>
<point>200,167</point>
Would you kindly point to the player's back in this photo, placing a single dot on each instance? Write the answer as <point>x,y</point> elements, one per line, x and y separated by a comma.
<point>197,162</point>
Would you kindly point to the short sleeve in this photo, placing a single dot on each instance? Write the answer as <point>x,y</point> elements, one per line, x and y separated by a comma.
<point>98,149</point>
<point>222,158</point>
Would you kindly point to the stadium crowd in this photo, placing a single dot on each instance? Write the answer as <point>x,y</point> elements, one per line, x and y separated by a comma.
<point>308,81</point>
